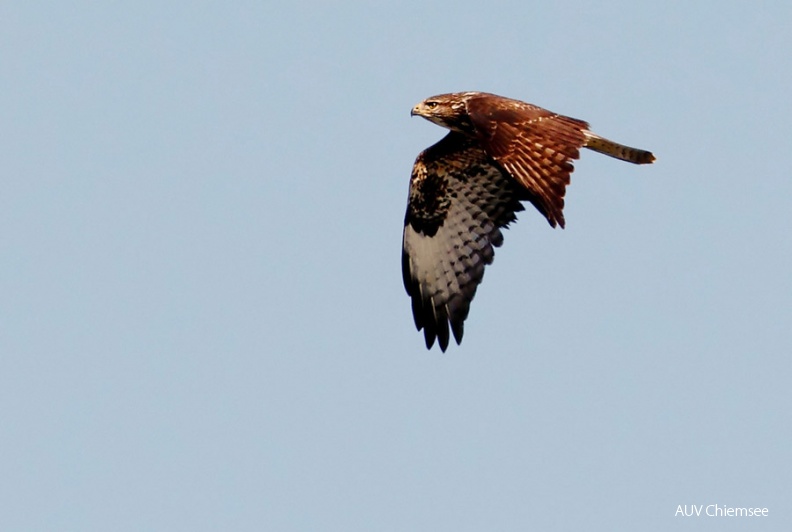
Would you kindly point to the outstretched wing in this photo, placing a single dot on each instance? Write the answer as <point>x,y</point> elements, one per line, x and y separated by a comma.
<point>532,144</point>
<point>459,200</point>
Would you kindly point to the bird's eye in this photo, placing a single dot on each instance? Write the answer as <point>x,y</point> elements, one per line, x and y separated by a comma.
<point>431,105</point>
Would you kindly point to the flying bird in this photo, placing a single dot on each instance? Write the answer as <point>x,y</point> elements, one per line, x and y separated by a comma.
<point>464,189</point>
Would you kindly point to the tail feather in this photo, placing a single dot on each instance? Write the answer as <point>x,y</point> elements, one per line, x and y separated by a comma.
<point>619,151</point>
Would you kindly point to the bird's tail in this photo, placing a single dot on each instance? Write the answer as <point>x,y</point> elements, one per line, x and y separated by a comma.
<point>619,151</point>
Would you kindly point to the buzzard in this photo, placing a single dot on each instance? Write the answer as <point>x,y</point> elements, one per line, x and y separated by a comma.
<point>464,189</point>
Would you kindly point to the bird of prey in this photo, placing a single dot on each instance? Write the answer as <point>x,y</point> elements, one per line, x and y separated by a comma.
<point>464,189</point>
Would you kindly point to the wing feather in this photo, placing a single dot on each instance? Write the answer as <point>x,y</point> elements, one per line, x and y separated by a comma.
<point>532,144</point>
<point>459,201</point>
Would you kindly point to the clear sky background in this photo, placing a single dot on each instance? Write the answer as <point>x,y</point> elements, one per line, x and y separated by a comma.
<point>202,318</point>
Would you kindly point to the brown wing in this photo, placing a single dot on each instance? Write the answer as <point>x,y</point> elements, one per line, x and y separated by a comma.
<point>459,200</point>
<point>532,144</point>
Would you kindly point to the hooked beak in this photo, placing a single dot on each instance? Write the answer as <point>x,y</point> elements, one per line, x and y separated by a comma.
<point>416,110</point>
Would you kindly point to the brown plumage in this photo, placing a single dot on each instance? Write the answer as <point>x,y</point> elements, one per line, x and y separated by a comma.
<point>468,186</point>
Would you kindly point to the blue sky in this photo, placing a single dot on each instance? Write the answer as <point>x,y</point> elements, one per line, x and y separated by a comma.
<point>203,319</point>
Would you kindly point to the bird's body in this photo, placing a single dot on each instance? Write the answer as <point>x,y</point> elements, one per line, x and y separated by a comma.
<point>464,189</point>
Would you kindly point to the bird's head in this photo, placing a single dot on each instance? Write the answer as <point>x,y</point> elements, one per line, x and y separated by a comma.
<point>446,110</point>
